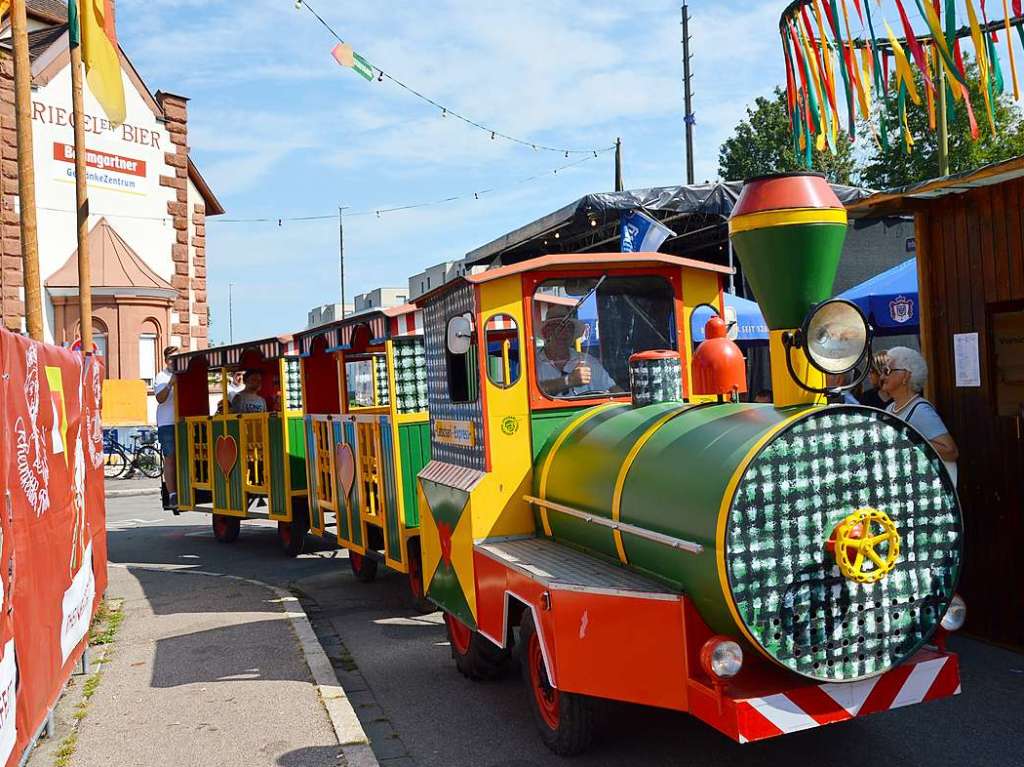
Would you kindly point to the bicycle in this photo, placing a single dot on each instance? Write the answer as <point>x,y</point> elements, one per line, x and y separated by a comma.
<point>122,461</point>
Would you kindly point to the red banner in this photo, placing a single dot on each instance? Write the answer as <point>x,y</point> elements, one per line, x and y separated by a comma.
<point>53,550</point>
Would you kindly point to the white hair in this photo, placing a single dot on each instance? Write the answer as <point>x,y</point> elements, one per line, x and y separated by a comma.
<point>904,358</point>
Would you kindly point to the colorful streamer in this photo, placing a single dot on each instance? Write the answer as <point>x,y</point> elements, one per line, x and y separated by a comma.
<point>820,49</point>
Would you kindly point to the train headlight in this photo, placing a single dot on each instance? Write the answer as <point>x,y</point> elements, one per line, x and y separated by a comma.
<point>721,657</point>
<point>956,614</point>
<point>836,336</point>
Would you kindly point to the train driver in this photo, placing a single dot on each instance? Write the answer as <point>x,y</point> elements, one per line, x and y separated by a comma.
<point>562,371</point>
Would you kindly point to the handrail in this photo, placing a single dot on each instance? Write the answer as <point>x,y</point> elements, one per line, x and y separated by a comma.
<point>623,527</point>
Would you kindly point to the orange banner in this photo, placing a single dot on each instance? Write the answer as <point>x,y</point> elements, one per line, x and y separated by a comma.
<point>53,546</point>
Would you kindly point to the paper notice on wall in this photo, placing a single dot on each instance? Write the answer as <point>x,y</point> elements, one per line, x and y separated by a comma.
<point>77,607</point>
<point>8,702</point>
<point>965,357</point>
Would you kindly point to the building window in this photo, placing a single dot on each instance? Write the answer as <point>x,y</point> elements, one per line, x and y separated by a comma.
<point>148,357</point>
<point>400,299</point>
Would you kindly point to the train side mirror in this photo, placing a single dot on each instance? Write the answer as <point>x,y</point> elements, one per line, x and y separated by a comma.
<point>460,334</point>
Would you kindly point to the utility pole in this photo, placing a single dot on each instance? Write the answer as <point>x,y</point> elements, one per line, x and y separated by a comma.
<point>618,165</point>
<point>341,256</point>
<point>26,172</point>
<point>81,202</point>
<point>688,119</point>
<point>943,127</point>
<point>231,315</point>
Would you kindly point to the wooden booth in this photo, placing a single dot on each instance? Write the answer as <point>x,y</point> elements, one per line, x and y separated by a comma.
<point>970,258</point>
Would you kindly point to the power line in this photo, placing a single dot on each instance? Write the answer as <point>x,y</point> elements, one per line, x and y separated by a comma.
<point>378,212</point>
<point>445,111</point>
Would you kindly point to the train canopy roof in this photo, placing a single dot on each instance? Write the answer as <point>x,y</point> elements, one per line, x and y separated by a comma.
<point>230,356</point>
<point>390,322</point>
<point>568,261</point>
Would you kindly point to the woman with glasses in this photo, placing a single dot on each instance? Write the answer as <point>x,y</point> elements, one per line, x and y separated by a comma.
<point>903,376</point>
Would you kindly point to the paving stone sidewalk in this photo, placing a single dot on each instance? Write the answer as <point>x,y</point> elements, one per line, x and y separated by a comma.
<point>205,671</point>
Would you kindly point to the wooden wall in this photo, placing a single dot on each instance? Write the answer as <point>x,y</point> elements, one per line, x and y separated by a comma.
<point>971,263</point>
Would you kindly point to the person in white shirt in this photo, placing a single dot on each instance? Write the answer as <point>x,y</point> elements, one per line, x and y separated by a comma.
<point>561,370</point>
<point>163,388</point>
<point>903,376</point>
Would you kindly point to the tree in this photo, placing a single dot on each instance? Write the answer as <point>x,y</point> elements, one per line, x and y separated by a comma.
<point>763,143</point>
<point>895,167</point>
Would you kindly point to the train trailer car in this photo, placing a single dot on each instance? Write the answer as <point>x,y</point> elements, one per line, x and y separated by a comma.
<point>367,437</point>
<point>607,503</point>
<point>241,454</point>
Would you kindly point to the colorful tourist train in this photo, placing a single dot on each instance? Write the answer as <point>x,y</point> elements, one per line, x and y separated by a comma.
<point>555,464</point>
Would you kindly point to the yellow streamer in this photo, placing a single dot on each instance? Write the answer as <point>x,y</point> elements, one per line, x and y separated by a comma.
<point>827,56</point>
<point>1009,48</point>
<point>904,73</point>
<point>812,65</point>
<point>981,54</point>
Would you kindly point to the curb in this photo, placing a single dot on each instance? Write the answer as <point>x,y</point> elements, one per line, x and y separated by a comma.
<point>355,744</point>
<point>130,493</point>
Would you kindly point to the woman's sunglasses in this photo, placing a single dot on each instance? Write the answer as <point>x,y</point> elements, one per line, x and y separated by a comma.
<point>888,371</point>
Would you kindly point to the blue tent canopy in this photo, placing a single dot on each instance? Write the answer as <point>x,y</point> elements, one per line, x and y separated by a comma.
<point>747,315</point>
<point>889,300</point>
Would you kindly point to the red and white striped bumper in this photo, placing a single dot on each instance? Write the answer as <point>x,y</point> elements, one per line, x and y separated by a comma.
<point>928,676</point>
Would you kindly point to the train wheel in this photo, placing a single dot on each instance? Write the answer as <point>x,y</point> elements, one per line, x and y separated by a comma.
<point>476,656</point>
<point>363,567</point>
<point>565,719</point>
<point>225,528</point>
<point>419,597</point>
<point>292,535</point>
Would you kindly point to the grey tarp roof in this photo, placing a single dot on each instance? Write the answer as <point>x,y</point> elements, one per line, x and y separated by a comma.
<point>595,217</point>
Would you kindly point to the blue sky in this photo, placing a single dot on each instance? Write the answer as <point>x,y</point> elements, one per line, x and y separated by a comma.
<point>279,129</point>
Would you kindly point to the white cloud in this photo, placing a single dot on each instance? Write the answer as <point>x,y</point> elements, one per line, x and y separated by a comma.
<point>280,129</point>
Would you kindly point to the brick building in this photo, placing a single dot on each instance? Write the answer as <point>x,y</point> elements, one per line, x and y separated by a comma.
<point>148,202</point>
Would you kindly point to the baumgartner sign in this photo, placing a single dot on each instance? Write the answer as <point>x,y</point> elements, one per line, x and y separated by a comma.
<point>110,170</point>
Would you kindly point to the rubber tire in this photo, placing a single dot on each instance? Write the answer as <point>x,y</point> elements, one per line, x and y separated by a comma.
<point>476,657</point>
<point>152,467</point>
<point>115,462</point>
<point>292,535</point>
<point>420,602</point>
<point>364,567</point>
<point>574,713</point>
<point>225,528</point>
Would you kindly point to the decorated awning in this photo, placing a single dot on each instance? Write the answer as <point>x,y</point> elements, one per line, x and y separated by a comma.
<point>231,356</point>
<point>393,322</point>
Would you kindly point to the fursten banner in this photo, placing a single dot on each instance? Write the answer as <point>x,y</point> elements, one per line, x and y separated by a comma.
<point>53,551</point>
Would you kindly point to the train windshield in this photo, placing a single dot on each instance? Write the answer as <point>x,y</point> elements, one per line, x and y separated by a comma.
<point>585,329</point>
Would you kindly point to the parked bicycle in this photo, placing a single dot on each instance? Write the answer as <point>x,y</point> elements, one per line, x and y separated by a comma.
<point>141,454</point>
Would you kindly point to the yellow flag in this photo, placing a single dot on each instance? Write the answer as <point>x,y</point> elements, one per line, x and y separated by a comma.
<point>101,57</point>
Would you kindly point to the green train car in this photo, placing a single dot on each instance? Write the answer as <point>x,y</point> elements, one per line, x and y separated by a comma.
<point>368,436</point>
<point>242,461</point>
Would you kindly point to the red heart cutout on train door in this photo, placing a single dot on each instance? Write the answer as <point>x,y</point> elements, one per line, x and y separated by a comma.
<point>226,452</point>
<point>345,469</point>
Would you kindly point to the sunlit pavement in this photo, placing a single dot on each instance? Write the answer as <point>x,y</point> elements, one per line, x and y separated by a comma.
<point>419,711</point>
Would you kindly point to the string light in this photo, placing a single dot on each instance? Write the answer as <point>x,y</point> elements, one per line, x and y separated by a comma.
<point>381,74</point>
<point>378,212</point>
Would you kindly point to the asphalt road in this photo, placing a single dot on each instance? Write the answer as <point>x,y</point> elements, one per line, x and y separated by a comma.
<point>420,711</point>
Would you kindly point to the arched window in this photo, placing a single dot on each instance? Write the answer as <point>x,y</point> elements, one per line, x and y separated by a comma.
<point>149,351</point>
<point>99,338</point>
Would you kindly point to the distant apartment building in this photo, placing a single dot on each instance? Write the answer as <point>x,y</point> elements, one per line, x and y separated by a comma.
<point>321,315</point>
<point>433,276</point>
<point>381,298</point>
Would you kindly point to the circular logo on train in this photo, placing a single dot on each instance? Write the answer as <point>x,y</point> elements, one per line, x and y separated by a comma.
<point>509,425</point>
